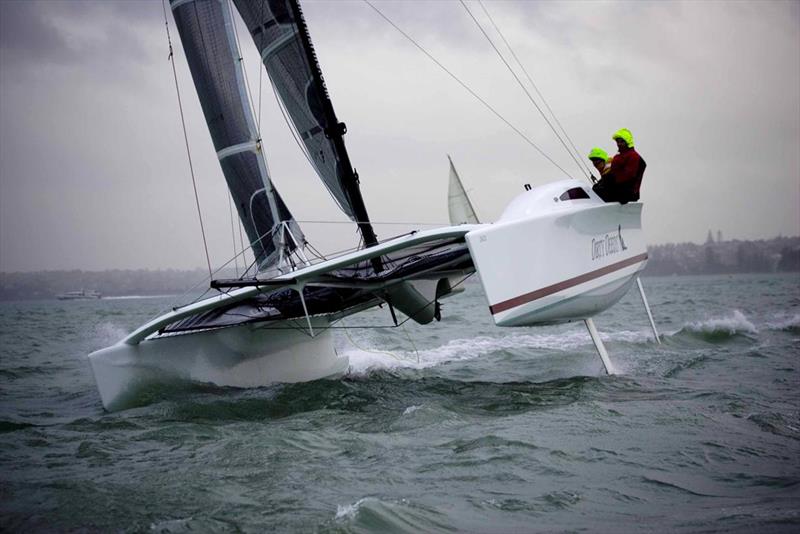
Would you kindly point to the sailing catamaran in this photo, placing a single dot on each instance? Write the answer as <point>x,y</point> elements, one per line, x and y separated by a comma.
<point>558,253</point>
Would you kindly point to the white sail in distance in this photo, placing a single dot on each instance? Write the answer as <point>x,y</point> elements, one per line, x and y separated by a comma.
<point>458,204</point>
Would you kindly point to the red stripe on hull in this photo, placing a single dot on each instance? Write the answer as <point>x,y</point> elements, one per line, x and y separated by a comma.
<point>566,284</point>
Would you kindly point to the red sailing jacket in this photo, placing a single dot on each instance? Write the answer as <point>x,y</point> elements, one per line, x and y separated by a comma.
<point>627,169</point>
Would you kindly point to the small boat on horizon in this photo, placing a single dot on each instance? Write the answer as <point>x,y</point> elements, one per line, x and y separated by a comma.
<point>83,294</point>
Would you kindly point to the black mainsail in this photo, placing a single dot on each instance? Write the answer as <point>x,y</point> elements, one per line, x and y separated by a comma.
<point>207,35</point>
<point>281,36</point>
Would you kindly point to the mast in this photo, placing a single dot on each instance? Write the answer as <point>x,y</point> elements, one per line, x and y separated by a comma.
<point>335,132</point>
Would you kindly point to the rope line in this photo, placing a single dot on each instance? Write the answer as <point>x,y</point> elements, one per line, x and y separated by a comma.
<point>186,138</point>
<point>535,87</point>
<point>413,345</point>
<point>293,130</point>
<point>522,85</point>
<point>261,69</point>
<point>362,349</point>
<point>468,89</point>
<point>303,327</point>
<point>250,102</point>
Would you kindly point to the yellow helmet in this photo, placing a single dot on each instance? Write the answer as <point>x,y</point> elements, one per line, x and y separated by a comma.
<point>624,134</point>
<point>598,153</point>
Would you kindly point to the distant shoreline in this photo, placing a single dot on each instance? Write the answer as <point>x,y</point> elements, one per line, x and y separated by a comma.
<point>781,254</point>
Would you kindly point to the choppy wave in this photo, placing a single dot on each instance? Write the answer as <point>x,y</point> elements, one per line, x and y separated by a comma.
<point>349,511</point>
<point>411,409</point>
<point>792,324</point>
<point>11,426</point>
<point>482,430</point>
<point>371,514</point>
<point>777,423</point>
<point>721,328</point>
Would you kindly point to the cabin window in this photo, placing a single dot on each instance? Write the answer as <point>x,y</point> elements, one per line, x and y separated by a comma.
<point>574,193</point>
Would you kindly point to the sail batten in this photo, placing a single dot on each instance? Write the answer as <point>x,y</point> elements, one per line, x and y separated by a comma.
<point>209,42</point>
<point>249,146</point>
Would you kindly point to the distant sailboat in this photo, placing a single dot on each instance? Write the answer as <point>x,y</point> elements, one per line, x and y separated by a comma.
<point>458,205</point>
<point>555,255</point>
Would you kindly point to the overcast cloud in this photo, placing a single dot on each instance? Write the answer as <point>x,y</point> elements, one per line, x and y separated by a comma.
<point>93,169</point>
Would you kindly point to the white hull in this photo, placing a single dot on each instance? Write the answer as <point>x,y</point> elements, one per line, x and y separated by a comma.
<point>549,260</point>
<point>552,257</point>
<point>243,356</point>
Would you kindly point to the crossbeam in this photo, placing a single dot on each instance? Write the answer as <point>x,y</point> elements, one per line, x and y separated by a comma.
<point>250,282</point>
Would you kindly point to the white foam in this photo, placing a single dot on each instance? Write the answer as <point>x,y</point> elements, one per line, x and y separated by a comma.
<point>411,409</point>
<point>349,511</point>
<point>785,323</point>
<point>732,324</point>
<point>364,359</point>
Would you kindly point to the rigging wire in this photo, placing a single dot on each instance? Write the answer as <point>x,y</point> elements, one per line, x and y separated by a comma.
<point>522,85</point>
<point>233,233</point>
<point>469,90</point>
<point>314,250</point>
<point>241,62</point>
<point>186,138</point>
<point>369,351</point>
<point>261,69</point>
<point>203,281</point>
<point>293,129</point>
<point>535,87</point>
<point>413,345</point>
<point>303,329</point>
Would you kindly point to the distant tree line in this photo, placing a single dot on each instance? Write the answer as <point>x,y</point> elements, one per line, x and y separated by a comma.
<point>781,254</point>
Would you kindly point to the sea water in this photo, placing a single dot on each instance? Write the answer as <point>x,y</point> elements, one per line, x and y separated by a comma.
<point>455,426</point>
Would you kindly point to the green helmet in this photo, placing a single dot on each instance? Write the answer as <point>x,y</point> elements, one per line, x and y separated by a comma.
<point>624,134</point>
<point>598,153</point>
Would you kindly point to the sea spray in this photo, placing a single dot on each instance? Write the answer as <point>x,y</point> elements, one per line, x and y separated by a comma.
<point>366,358</point>
<point>784,322</point>
<point>730,325</point>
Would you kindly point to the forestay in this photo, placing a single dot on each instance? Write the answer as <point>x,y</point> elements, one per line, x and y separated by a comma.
<point>207,35</point>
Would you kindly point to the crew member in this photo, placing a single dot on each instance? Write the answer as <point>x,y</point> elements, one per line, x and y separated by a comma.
<point>600,160</point>
<point>621,183</point>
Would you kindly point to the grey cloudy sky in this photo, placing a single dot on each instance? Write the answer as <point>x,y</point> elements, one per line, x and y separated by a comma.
<point>93,171</point>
